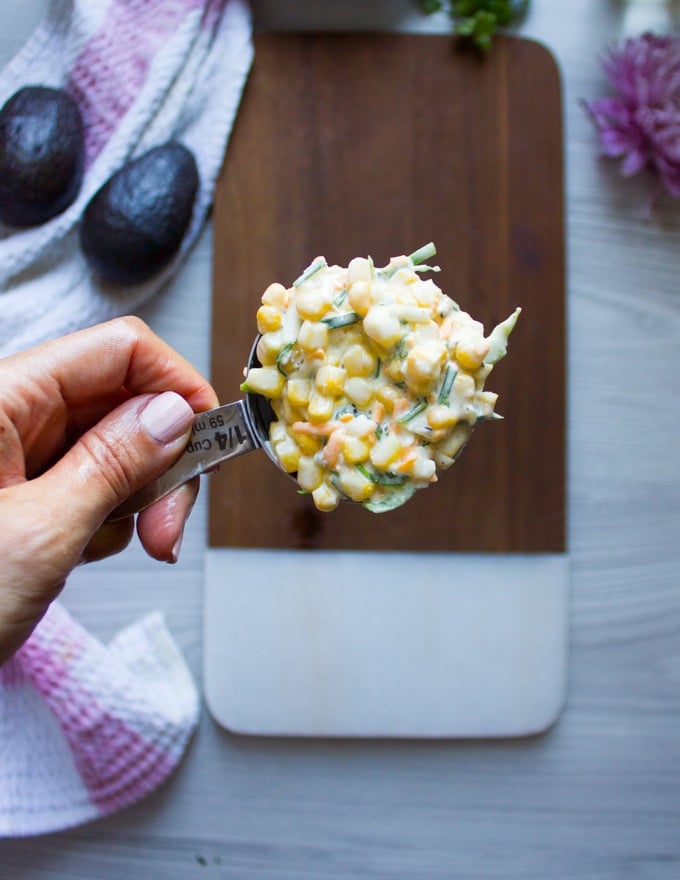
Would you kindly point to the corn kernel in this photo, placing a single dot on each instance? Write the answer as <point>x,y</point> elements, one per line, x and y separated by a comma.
<point>298,391</point>
<point>426,293</point>
<point>309,445</point>
<point>359,361</point>
<point>278,432</point>
<point>320,407</point>
<point>313,335</point>
<point>268,319</point>
<point>387,395</point>
<point>265,380</point>
<point>354,450</point>
<point>309,473</point>
<point>325,497</point>
<point>423,468</point>
<point>355,485</point>
<point>386,451</point>
<point>331,380</point>
<point>310,304</point>
<point>359,391</point>
<point>268,348</point>
<point>471,352</point>
<point>359,269</point>
<point>275,295</point>
<point>288,454</point>
<point>424,363</point>
<point>361,426</point>
<point>440,416</point>
<point>463,387</point>
<point>359,297</point>
<point>383,326</point>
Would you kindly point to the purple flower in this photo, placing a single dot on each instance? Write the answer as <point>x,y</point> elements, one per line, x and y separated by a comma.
<point>640,123</point>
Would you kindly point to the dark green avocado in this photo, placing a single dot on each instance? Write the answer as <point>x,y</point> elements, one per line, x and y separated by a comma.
<point>133,226</point>
<point>42,155</point>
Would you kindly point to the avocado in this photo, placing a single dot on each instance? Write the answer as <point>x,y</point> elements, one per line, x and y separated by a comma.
<point>42,155</point>
<point>133,226</point>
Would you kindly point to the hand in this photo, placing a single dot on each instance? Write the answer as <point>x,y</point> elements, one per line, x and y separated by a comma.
<point>85,421</point>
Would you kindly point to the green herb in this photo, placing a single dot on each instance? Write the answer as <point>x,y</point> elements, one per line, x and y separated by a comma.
<point>244,387</point>
<point>313,267</point>
<point>336,321</point>
<point>447,384</point>
<point>414,411</point>
<point>478,20</point>
<point>423,253</point>
<point>382,478</point>
<point>341,297</point>
<point>400,350</point>
<point>282,357</point>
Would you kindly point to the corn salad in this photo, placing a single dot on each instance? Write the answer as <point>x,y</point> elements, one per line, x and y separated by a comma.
<point>376,378</point>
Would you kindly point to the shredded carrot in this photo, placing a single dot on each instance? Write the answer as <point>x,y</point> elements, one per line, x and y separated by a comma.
<point>333,448</point>
<point>378,412</point>
<point>406,463</point>
<point>347,417</point>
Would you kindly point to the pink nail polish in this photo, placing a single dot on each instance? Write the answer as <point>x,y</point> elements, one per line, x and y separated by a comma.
<point>166,417</point>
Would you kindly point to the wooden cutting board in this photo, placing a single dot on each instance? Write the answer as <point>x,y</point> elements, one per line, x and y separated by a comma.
<point>362,144</point>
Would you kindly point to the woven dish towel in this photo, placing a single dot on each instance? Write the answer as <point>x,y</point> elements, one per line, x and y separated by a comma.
<point>142,72</point>
<point>86,729</point>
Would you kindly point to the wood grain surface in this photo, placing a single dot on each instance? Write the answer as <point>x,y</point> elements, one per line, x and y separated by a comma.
<point>598,797</point>
<point>375,144</point>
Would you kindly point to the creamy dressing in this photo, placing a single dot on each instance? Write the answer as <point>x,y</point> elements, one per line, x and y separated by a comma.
<point>376,378</point>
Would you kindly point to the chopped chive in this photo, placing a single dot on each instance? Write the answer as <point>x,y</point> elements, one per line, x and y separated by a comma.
<point>447,384</point>
<point>313,267</point>
<point>414,411</point>
<point>341,297</point>
<point>423,253</point>
<point>377,369</point>
<point>336,321</point>
<point>389,479</point>
<point>281,356</point>
<point>400,349</point>
<point>365,473</point>
<point>382,478</point>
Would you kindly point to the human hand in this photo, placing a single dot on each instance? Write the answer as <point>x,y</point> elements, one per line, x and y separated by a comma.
<point>86,421</point>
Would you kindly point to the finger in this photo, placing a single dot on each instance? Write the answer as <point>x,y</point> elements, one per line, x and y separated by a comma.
<point>109,539</point>
<point>119,354</point>
<point>127,449</point>
<point>161,527</point>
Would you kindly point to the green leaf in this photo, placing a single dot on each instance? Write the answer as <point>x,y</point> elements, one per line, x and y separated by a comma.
<point>395,499</point>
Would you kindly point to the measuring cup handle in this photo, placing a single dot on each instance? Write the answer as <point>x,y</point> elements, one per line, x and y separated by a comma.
<point>216,436</point>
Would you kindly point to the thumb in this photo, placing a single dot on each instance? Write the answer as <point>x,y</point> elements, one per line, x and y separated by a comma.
<point>128,448</point>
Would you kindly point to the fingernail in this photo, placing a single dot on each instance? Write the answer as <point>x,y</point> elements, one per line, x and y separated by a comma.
<point>166,417</point>
<point>177,546</point>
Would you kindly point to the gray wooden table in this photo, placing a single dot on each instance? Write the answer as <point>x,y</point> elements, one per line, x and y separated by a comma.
<point>596,797</point>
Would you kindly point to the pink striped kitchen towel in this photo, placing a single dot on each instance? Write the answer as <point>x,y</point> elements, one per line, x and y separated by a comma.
<point>87,729</point>
<point>142,72</point>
